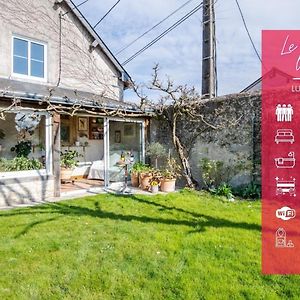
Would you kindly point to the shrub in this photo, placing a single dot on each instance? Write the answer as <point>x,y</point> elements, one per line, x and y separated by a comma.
<point>68,159</point>
<point>172,169</point>
<point>139,167</point>
<point>19,164</point>
<point>212,172</point>
<point>250,191</point>
<point>223,190</point>
<point>215,172</point>
<point>2,165</point>
<point>22,149</point>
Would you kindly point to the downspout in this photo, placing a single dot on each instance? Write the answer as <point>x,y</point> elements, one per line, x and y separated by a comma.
<point>253,118</point>
<point>59,50</point>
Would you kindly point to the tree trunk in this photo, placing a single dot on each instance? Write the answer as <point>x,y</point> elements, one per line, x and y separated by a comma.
<point>187,173</point>
<point>185,163</point>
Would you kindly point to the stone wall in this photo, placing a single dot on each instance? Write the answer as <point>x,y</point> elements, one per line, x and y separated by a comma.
<point>237,145</point>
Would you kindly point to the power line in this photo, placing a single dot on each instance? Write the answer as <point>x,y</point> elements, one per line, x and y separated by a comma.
<point>156,25</point>
<point>194,10</point>
<point>107,13</point>
<point>246,27</point>
<point>75,7</point>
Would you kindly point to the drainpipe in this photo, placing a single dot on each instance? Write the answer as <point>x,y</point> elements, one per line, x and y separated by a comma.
<point>106,152</point>
<point>253,118</point>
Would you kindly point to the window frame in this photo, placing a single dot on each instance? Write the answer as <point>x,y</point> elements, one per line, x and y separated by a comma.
<point>48,170</point>
<point>30,42</point>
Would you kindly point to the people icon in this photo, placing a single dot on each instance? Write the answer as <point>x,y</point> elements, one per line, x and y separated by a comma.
<point>290,113</point>
<point>284,113</point>
<point>278,112</point>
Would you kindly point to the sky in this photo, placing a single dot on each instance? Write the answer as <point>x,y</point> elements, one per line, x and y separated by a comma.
<point>179,53</point>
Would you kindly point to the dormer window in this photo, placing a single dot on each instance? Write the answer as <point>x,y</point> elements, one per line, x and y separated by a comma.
<point>29,59</point>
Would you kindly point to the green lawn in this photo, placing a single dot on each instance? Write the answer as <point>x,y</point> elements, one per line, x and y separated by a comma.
<point>185,245</point>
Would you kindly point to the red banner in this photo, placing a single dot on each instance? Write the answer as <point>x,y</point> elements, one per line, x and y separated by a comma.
<point>281,152</point>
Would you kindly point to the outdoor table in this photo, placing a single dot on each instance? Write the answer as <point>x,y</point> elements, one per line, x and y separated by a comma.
<point>124,165</point>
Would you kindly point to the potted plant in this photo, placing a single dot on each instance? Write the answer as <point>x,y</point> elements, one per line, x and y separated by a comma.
<point>21,164</point>
<point>145,176</point>
<point>68,162</point>
<point>156,151</point>
<point>154,185</point>
<point>169,176</point>
<point>155,181</point>
<point>135,173</point>
<point>2,136</point>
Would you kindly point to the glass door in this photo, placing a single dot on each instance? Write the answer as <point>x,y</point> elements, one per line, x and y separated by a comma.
<point>124,147</point>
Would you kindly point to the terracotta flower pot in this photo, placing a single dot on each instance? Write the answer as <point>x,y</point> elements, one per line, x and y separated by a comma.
<point>65,174</point>
<point>168,185</point>
<point>135,179</point>
<point>145,181</point>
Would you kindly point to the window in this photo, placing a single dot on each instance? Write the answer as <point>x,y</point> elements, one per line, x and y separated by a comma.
<point>29,58</point>
<point>25,144</point>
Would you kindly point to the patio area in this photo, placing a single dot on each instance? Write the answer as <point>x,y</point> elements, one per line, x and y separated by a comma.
<point>81,184</point>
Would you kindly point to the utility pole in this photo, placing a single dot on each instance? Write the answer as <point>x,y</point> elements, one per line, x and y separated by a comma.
<point>208,50</point>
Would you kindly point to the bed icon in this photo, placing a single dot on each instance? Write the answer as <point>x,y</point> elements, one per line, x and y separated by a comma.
<point>284,136</point>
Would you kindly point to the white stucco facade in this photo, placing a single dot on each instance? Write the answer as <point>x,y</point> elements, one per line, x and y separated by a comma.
<point>75,59</point>
<point>71,61</point>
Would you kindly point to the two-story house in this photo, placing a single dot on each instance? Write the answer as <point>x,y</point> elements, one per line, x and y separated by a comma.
<point>61,90</point>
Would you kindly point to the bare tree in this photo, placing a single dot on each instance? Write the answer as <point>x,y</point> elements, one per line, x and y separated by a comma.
<point>187,115</point>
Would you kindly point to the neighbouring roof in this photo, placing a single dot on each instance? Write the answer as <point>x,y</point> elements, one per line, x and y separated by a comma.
<point>98,40</point>
<point>256,85</point>
<point>31,92</point>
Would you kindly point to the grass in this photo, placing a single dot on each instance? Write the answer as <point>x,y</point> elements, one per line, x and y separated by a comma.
<point>186,245</point>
